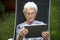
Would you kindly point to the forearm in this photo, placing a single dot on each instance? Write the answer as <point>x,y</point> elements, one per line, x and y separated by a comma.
<point>45,39</point>
<point>20,37</point>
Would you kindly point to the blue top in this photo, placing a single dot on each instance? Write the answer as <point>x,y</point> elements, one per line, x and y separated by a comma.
<point>21,27</point>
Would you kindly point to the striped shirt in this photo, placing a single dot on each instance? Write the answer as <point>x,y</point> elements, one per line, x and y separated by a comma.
<point>22,25</point>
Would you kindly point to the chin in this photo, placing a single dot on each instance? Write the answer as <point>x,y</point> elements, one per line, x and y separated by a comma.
<point>31,20</point>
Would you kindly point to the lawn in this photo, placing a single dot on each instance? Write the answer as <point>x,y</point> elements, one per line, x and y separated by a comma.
<point>7,26</point>
<point>7,22</point>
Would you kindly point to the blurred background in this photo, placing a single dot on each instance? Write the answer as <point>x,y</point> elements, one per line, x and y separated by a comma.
<point>7,19</point>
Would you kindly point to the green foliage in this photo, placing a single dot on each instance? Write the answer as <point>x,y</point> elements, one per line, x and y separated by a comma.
<point>7,22</point>
<point>2,8</point>
<point>55,20</point>
<point>7,26</point>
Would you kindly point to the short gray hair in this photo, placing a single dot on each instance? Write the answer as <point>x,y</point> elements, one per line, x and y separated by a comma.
<point>31,5</point>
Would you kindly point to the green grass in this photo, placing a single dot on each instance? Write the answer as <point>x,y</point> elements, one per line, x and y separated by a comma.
<point>7,22</point>
<point>55,23</point>
<point>7,26</point>
<point>55,20</point>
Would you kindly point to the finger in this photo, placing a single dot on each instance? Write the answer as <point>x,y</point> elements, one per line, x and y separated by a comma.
<point>45,35</point>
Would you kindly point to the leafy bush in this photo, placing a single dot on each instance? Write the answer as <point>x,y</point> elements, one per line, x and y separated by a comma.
<point>7,26</point>
<point>55,20</point>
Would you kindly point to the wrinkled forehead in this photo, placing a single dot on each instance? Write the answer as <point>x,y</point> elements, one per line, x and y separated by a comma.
<point>30,10</point>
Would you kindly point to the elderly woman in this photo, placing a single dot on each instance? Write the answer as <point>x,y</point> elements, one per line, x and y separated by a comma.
<point>30,10</point>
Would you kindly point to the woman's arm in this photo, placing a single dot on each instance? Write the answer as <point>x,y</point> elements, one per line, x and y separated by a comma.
<point>20,37</point>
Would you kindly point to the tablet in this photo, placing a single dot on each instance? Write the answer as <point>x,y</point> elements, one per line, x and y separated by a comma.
<point>35,30</point>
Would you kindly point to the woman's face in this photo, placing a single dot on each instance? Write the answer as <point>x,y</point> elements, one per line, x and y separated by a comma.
<point>30,14</point>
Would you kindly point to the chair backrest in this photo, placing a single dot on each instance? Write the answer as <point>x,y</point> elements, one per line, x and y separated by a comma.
<point>42,15</point>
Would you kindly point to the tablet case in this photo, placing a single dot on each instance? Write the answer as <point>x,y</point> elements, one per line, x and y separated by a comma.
<point>35,30</point>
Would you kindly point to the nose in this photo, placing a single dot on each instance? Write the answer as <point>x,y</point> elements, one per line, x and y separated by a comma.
<point>30,15</point>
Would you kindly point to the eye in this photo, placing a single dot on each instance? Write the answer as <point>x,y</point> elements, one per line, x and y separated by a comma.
<point>28,13</point>
<point>32,13</point>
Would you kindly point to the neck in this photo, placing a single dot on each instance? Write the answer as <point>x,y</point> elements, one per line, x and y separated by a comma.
<point>28,22</point>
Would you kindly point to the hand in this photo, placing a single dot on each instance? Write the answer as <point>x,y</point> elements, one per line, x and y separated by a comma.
<point>45,35</point>
<point>23,32</point>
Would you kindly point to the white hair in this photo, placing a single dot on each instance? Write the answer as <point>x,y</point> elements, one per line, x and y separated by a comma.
<point>30,5</point>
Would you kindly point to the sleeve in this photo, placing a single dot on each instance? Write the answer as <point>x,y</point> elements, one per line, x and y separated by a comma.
<point>40,22</point>
<point>18,30</point>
